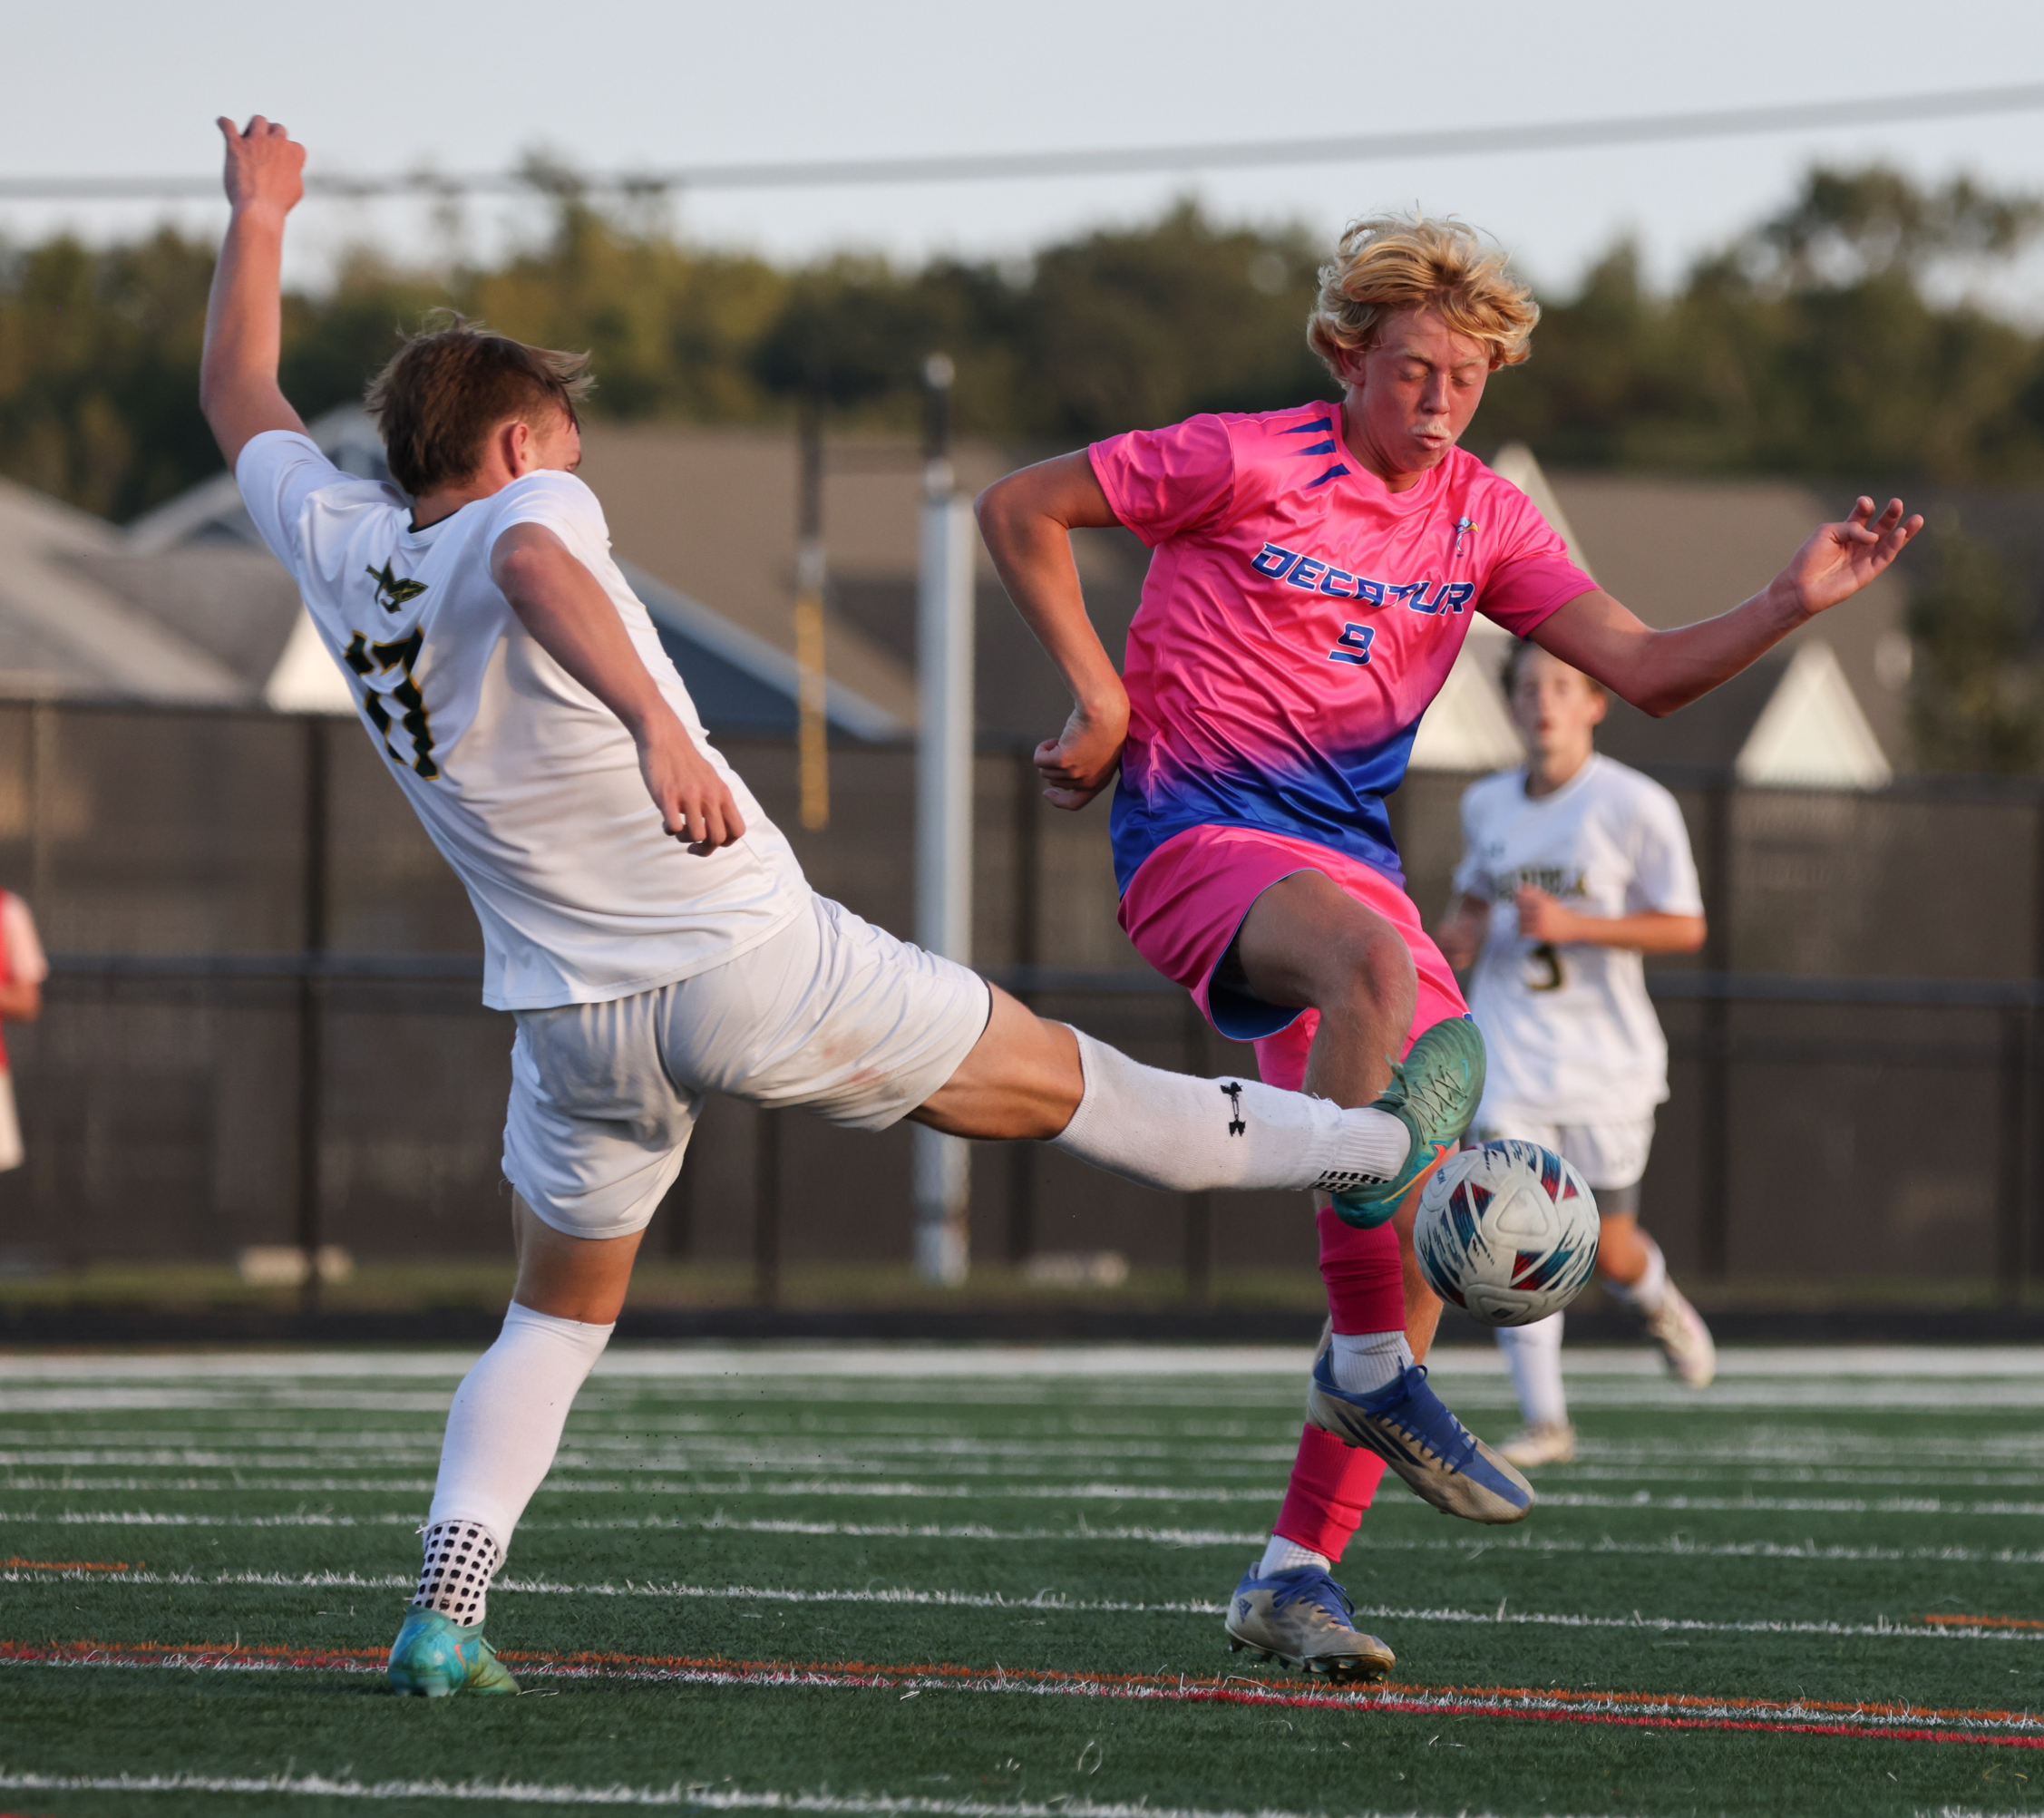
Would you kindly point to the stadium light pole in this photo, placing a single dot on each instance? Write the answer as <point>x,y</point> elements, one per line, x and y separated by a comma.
<point>944,671</point>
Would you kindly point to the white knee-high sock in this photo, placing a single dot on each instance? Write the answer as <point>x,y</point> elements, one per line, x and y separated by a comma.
<point>1187,1135</point>
<point>502,1432</point>
<point>1533,1355</point>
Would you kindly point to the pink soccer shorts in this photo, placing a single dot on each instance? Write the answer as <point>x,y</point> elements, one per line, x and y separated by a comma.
<point>1183,906</point>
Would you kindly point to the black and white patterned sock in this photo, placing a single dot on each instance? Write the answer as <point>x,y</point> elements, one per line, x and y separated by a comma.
<point>462,1558</point>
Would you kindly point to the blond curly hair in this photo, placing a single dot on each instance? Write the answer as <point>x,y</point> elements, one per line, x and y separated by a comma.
<point>1390,263</point>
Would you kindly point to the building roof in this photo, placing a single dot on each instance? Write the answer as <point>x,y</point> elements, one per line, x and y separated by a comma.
<point>1826,708</point>
<point>197,564</point>
<point>77,619</point>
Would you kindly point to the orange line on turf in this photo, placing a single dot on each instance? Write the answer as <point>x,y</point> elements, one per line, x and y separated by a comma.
<point>1630,1710</point>
<point>1984,1621</point>
<point>70,1565</point>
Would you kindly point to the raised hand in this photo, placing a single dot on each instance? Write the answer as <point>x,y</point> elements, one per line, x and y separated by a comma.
<point>1083,758</point>
<point>1839,559</point>
<point>265,166</point>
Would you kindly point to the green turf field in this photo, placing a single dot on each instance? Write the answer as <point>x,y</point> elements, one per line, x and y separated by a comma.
<point>930,1582</point>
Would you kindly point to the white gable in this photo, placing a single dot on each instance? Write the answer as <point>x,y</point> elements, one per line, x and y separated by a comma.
<point>1811,733</point>
<point>306,679</point>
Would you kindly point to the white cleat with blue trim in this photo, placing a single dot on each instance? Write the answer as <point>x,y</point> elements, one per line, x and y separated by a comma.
<point>1410,1428</point>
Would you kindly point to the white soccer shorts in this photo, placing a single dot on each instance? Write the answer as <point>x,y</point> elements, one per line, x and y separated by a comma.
<point>1611,1157</point>
<point>831,1014</point>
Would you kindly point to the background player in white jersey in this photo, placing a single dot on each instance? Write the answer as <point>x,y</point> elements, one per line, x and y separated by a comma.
<point>652,950</point>
<point>1574,867</point>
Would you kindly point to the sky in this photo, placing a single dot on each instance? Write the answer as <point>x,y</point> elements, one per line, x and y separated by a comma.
<point>110,87</point>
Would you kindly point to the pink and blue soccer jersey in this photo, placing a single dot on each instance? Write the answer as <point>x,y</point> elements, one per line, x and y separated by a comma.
<point>1298,619</point>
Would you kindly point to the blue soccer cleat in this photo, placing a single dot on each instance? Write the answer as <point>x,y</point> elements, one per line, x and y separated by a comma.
<point>1434,1093</point>
<point>1409,1427</point>
<point>435,1657</point>
<point>1303,1618</point>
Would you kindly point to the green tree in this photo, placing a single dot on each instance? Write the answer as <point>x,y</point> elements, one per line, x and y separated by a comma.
<point>1977,694</point>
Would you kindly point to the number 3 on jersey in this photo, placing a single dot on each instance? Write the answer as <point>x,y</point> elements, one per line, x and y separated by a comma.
<point>1353,644</point>
<point>366,660</point>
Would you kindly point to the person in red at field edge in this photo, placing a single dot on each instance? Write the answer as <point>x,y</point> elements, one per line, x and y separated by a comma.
<point>1314,576</point>
<point>23,969</point>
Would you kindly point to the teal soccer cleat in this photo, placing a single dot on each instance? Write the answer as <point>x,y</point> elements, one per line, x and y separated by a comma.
<point>435,1658</point>
<point>1434,1093</point>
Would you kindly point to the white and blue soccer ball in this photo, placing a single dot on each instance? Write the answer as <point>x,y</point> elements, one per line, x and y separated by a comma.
<point>1508,1231</point>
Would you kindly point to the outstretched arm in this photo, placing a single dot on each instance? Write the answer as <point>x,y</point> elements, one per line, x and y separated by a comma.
<point>559,601</point>
<point>1027,521</point>
<point>1660,671</point>
<point>237,387</point>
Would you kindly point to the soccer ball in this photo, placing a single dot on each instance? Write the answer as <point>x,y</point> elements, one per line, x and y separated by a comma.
<point>1506,1231</point>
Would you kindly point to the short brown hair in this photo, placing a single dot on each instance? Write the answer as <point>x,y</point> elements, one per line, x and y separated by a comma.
<point>452,382</point>
<point>1390,263</point>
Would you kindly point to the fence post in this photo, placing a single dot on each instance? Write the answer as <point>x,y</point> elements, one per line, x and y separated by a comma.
<point>2033,1184</point>
<point>1714,1111</point>
<point>766,1206</point>
<point>2008,1155</point>
<point>312,1011</point>
<point>1198,1207</point>
<point>1027,883</point>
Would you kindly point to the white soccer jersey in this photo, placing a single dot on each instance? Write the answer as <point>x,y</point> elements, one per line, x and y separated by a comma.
<point>528,784</point>
<point>1571,1034</point>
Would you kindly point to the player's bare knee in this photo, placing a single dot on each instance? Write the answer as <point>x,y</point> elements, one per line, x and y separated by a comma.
<point>1371,970</point>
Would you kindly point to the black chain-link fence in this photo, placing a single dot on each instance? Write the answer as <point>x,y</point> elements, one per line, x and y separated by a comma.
<point>263,1026</point>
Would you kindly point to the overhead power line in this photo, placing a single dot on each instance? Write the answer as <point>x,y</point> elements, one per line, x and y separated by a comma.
<point>1731,122</point>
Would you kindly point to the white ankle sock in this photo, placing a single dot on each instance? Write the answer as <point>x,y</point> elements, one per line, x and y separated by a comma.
<point>503,1432</point>
<point>1364,1362</point>
<point>1188,1135</point>
<point>1643,1296</point>
<point>1283,1555</point>
<point>1533,1355</point>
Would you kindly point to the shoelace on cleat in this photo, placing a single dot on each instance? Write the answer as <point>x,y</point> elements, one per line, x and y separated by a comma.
<point>1318,1589</point>
<point>1431,1099</point>
<point>1425,1435</point>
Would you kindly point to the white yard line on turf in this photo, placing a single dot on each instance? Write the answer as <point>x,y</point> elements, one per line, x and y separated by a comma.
<point>1050,1602</point>
<point>941,1363</point>
<point>712,1797</point>
<point>1642,1501</point>
<point>1675,1546</point>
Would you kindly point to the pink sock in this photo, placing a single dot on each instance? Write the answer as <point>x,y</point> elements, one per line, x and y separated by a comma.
<point>1331,1485</point>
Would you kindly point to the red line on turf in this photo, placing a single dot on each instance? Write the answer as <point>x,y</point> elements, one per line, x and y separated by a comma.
<point>1625,1709</point>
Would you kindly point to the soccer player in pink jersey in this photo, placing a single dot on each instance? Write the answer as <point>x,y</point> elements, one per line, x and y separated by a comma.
<point>1315,573</point>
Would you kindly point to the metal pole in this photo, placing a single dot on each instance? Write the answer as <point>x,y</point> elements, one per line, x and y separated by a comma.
<point>2008,1144</point>
<point>766,1206</point>
<point>812,684</point>
<point>944,671</point>
<point>312,1012</point>
<point>1198,1207</point>
<point>1026,886</point>
<point>2033,1184</point>
<point>1715,1110</point>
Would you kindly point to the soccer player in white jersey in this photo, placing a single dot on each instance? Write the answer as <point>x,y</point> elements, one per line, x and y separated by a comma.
<point>1574,867</point>
<point>642,919</point>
